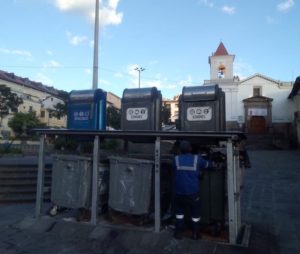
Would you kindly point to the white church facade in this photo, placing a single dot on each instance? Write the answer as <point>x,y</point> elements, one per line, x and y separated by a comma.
<point>257,104</point>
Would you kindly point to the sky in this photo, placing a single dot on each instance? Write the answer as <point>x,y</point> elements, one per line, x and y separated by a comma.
<point>51,41</point>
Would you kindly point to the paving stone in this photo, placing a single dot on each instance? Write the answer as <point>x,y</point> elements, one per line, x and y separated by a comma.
<point>270,203</point>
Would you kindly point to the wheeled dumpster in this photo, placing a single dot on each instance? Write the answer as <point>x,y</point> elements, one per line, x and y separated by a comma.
<point>71,181</point>
<point>130,185</point>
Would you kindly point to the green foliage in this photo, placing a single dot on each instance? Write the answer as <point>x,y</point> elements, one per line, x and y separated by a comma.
<point>65,143</point>
<point>8,101</point>
<point>9,150</point>
<point>113,118</point>
<point>166,113</point>
<point>22,123</point>
<point>59,111</point>
<point>110,144</point>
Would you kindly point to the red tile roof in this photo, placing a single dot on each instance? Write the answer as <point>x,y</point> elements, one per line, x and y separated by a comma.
<point>11,77</point>
<point>221,50</point>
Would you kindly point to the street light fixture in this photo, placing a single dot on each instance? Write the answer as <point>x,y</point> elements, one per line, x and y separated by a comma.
<point>139,69</point>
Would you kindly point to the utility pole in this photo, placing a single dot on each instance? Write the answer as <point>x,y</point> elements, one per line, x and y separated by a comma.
<point>96,39</point>
<point>139,69</point>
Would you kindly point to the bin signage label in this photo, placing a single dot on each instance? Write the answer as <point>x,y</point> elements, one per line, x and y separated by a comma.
<point>136,114</point>
<point>81,115</point>
<point>199,114</point>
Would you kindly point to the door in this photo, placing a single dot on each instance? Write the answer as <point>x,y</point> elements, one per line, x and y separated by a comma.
<point>257,124</point>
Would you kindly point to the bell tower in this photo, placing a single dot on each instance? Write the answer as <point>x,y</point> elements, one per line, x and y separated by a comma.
<point>221,64</point>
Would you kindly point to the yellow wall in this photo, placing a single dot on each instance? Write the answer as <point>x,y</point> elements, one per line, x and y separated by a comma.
<point>32,100</point>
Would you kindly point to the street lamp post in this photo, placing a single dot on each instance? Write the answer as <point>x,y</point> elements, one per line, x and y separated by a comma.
<point>96,38</point>
<point>139,69</point>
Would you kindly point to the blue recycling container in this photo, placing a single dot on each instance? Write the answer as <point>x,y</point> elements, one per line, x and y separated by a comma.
<point>87,110</point>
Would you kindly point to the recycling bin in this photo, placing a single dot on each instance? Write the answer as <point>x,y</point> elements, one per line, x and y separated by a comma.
<point>130,185</point>
<point>212,192</point>
<point>141,109</point>
<point>87,110</point>
<point>202,108</point>
<point>71,181</point>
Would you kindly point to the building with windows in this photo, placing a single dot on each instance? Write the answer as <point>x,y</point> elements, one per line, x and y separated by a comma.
<point>173,107</point>
<point>41,100</point>
<point>113,101</point>
<point>37,98</point>
<point>294,97</point>
<point>257,104</point>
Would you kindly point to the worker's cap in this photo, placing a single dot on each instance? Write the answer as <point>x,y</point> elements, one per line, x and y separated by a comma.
<point>185,146</point>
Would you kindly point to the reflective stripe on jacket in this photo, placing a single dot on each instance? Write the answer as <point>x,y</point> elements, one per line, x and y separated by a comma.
<point>187,168</point>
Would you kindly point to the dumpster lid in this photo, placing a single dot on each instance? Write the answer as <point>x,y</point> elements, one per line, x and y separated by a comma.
<point>71,157</point>
<point>129,160</point>
<point>200,93</point>
<point>86,95</point>
<point>148,93</point>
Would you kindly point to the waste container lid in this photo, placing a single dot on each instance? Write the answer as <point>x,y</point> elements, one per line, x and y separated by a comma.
<point>71,157</point>
<point>134,94</point>
<point>130,160</point>
<point>200,93</point>
<point>87,95</point>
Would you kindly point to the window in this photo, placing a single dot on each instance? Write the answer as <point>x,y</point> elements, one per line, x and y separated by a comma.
<point>256,91</point>
<point>30,109</point>
<point>221,71</point>
<point>42,114</point>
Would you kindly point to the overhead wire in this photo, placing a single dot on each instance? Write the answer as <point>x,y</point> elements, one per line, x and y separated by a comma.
<point>100,68</point>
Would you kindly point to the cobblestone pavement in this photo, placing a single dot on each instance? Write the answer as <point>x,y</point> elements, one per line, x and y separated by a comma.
<point>270,203</point>
<point>271,198</point>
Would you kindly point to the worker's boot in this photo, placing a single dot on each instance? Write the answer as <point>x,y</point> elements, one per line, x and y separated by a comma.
<point>179,226</point>
<point>196,230</point>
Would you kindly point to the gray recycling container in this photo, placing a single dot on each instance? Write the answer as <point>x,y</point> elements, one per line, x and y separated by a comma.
<point>212,192</point>
<point>141,109</point>
<point>202,108</point>
<point>71,181</point>
<point>130,185</point>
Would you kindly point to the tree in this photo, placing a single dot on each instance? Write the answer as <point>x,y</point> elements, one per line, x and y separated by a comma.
<point>113,117</point>
<point>8,102</point>
<point>60,109</point>
<point>22,123</point>
<point>166,113</point>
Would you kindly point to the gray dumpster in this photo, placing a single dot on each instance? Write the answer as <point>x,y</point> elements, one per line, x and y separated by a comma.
<point>202,108</point>
<point>212,191</point>
<point>141,109</point>
<point>71,181</point>
<point>130,185</point>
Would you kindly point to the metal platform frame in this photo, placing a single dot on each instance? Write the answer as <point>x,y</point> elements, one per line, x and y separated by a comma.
<point>229,138</point>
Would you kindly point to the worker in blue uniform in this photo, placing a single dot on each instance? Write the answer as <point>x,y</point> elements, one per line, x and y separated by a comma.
<point>187,168</point>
